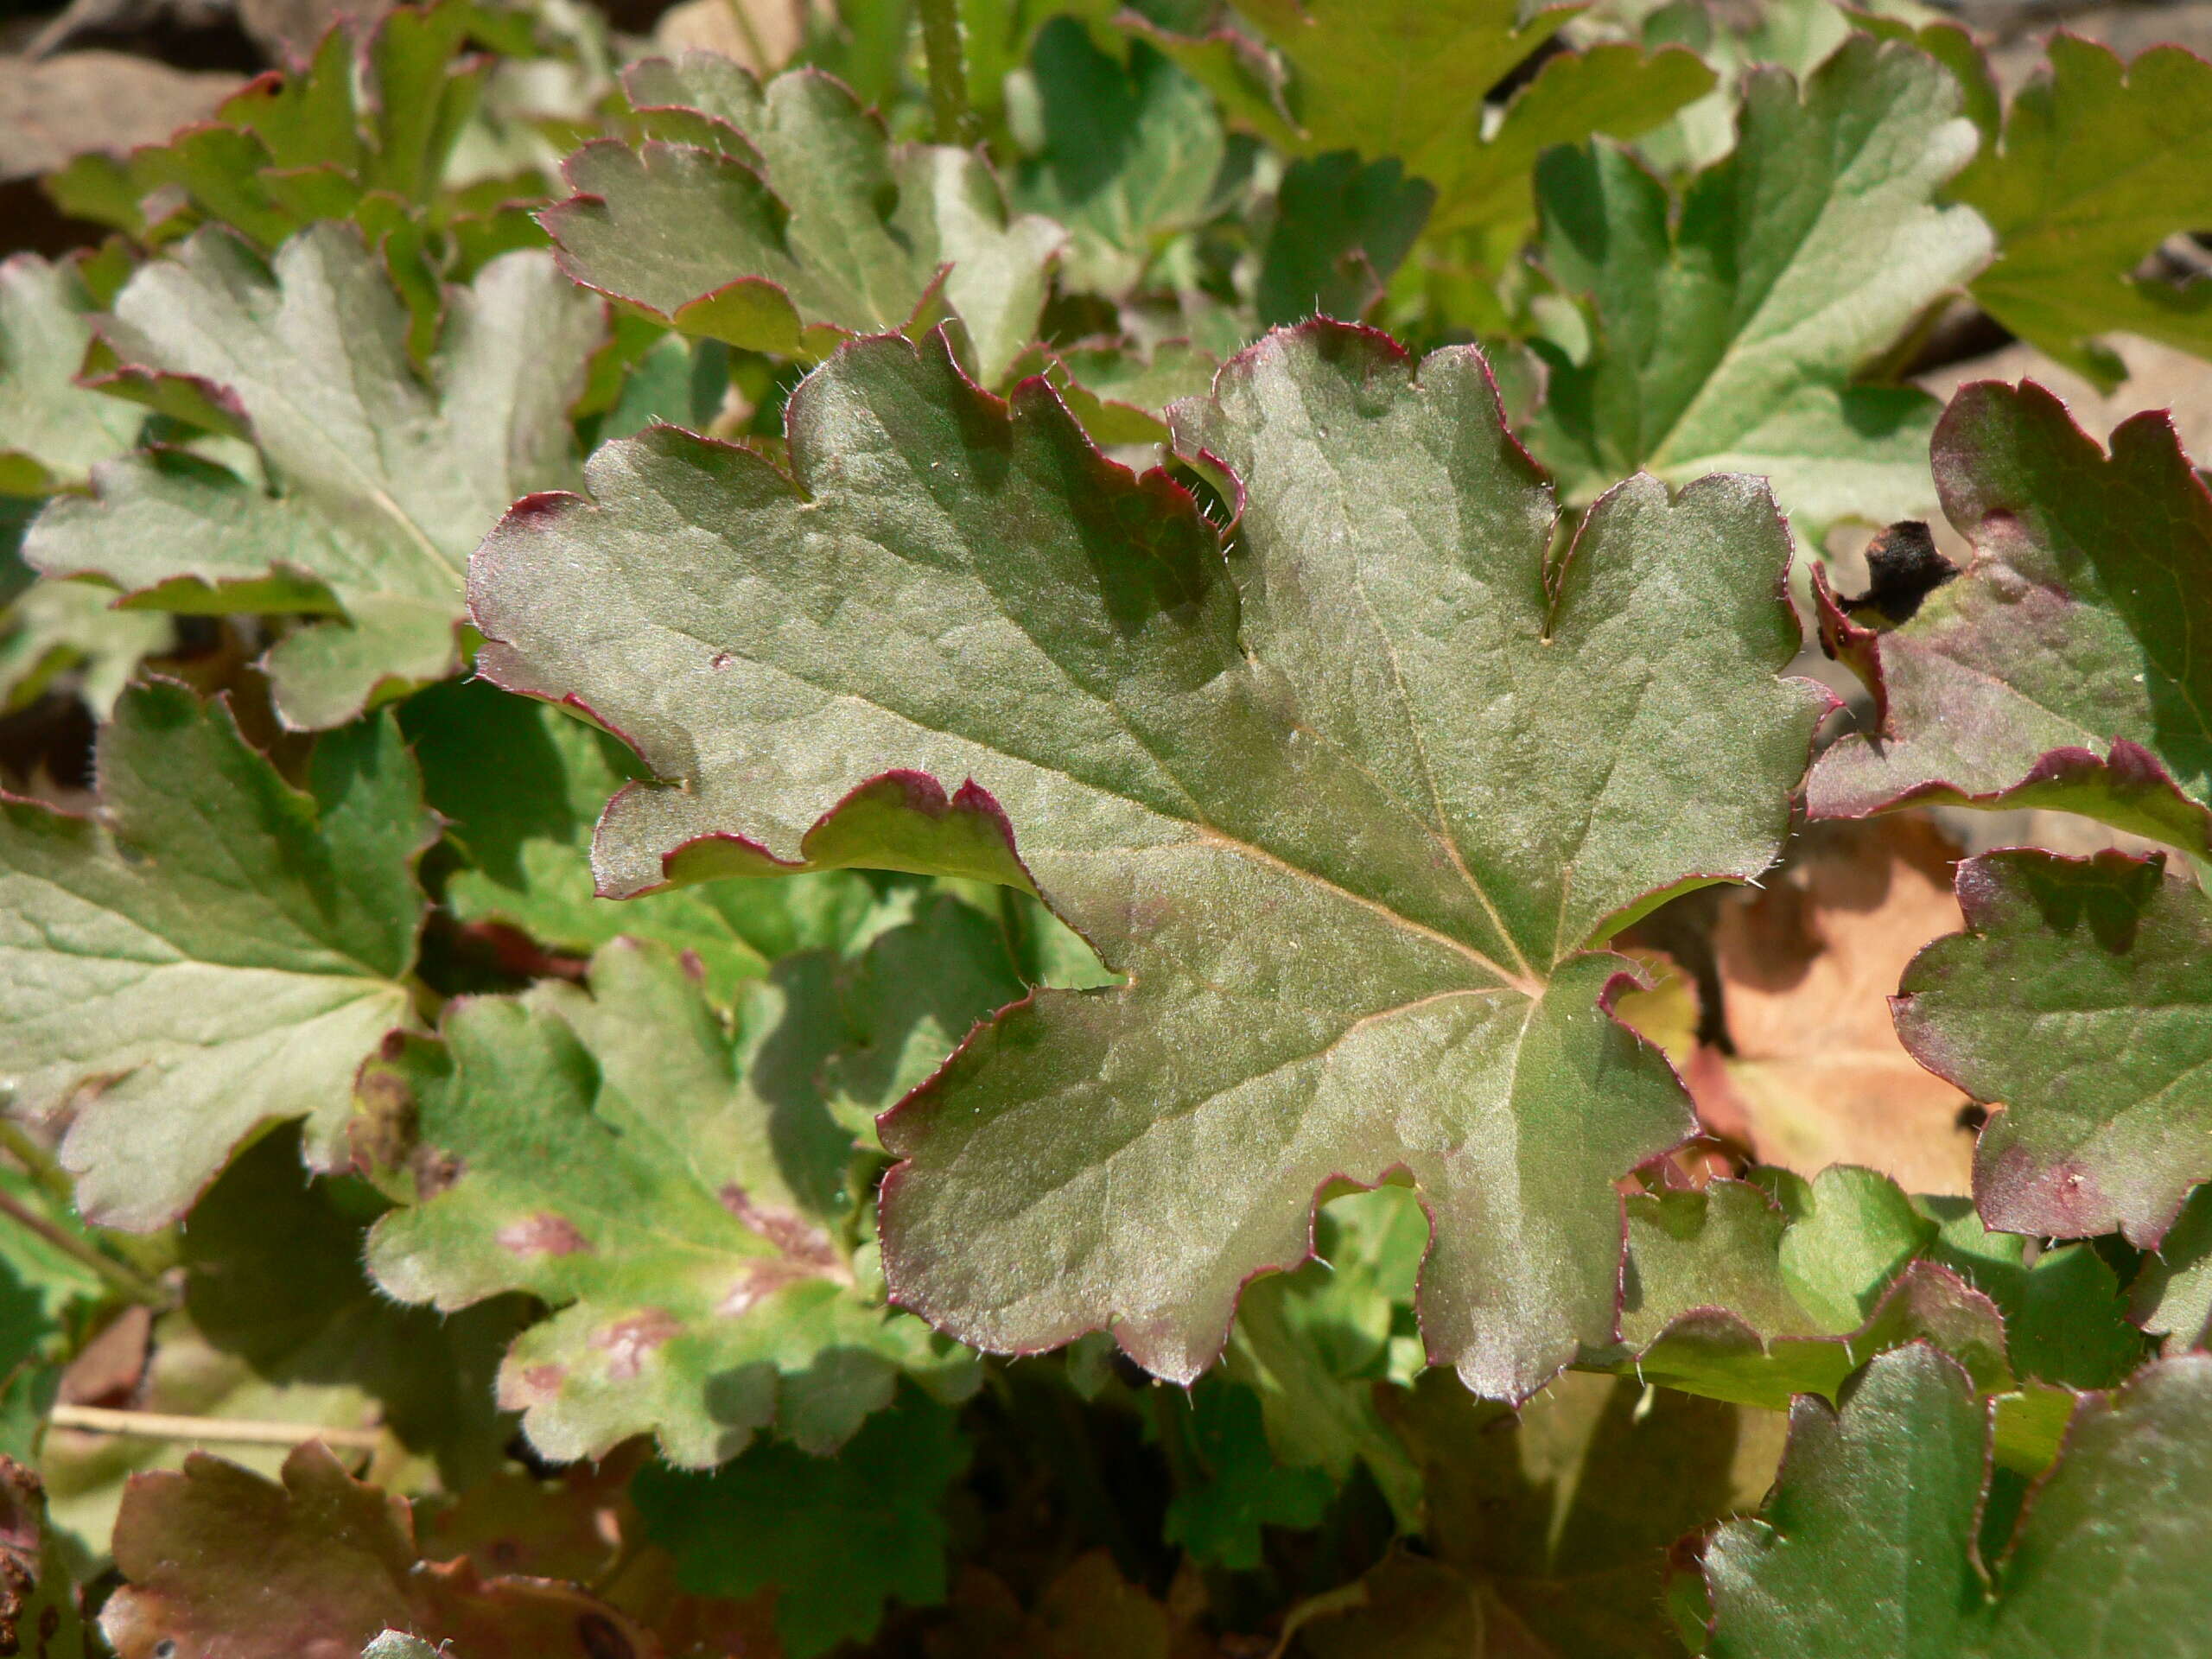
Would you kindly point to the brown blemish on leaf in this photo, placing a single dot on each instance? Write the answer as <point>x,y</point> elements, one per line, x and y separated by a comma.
<point>758,1280</point>
<point>533,1385</point>
<point>626,1342</point>
<point>801,1240</point>
<point>543,1234</point>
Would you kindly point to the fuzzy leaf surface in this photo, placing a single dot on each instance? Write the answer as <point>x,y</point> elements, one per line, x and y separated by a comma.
<point>2100,161</point>
<point>216,951</point>
<point>2079,997</point>
<point>51,429</point>
<point>782,218</point>
<point>2065,668</point>
<point>382,482</point>
<point>1868,1544</point>
<point>692,1239</point>
<point>1727,331</point>
<point>1348,807</point>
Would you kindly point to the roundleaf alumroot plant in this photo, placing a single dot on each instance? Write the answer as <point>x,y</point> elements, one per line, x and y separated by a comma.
<point>1024,829</point>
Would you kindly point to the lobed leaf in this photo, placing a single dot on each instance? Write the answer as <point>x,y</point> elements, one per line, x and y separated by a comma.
<point>51,429</point>
<point>691,1234</point>
<point>1131,154</point>
<point>1728,332</point>
<point>215,953</point>
<point>836,1537</point>
<point>1383,78</point>
<point>1753,1291</point>
<point>2100,161</point>
<point>217,1560</point>
<point>1869,1542</point>
<point>1556,1521</point>
<point>2061,670</point>
<point>2077,998</point>
<point>782,219</point>
<point>519,785</point>
<point>382,482</point>
<point>1348,808</point>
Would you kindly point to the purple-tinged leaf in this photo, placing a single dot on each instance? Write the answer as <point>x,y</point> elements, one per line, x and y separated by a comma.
<point>2067,668</point>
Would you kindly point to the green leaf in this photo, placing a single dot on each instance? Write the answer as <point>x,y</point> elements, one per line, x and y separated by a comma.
<point>1314,1344</point>
<point>291,148</point>
<point>836,1537</point>
<point>1613,89</point>
<point>1237,1486</point>
<point>520,785</point>
<point>2066,1321</point>
<point>2100,163</point>
<point>1119,393</point>
<point>219,1560</point>
<point>273,1278</point>
<point>2080,997</point>
<point>56,628</point>
<point>1728,332</point>
<point>1868,1545</point>
<point>51,429</point>
<point>1733,1295</point>
<point>383,482</point>
<point>782,219</point>
<point>216,953</point>
<point>1350,856</point>
<point>1130,154</point>
<point>690,1230</point>
<point>2171,1296</point>
<point>1341,228</point>
<point>1384,77</point>
<point>2060,671</point>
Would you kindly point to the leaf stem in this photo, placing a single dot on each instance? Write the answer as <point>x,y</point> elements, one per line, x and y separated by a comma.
<point>227,1431</point>
<point>127,1281</point>
<point>43,1167</point>
<point>947,71</point>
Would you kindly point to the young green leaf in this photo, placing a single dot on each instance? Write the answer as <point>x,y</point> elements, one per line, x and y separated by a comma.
<point>2080,998</point>
<point>1402,78</point>
<point>2061,670</point>
<point>1235,1486</point>
<point>381,484</point>
<point>689,1232</point>
<point>217,951</point>
<point>1740,1295</point>
<point>1130,157</point>
<point>782,219</point>
<point>1341,228</point>
<point>836,1537</point>
<point>1868,1544</point>
<point>217,1560</point>
<point>1728,332</point>
<point>2100,161</point>
<point>51,429</point>
<point>1348,808</point>
<point>289,149</point>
